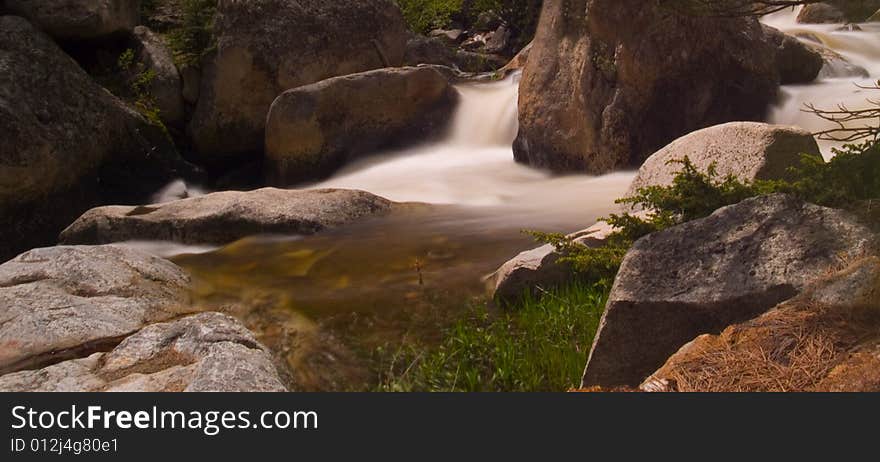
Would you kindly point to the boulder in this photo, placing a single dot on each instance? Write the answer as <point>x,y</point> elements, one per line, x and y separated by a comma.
<point>540,268</point>
<point>423,50</point>
<point>609,82</point>
<point>705,275</point>
<point>747,150</point>
<point>224,217</point>
<point>448,37</point>
<point>264,47</point>
<point>314,129</point>
<point>838,11</point>
<point>59,303</point>
<point>208,352</point>
<point>166,86</point>
<point>824,340</point>
<point>79,19</point>
<point>68,144</point>
<point>796,61</point>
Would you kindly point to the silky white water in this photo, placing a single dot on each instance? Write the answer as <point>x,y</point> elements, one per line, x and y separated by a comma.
<point>839,82</point>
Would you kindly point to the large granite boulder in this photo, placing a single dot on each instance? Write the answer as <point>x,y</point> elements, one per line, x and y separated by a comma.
<point>68,144</point>
<point>608,82</point>
<point>208,352</point>
<point>79,19</point>
<point>838,11</point>
<point>824,340</point>
<point>707,274</point>
<point>314,129</point>
<point>796,61</point>
<point>166,86</point>
<point>433,50</point>
<point>224,217</point>
<point>264,47</point>
<point>60,303</point>
<point>747,150</point>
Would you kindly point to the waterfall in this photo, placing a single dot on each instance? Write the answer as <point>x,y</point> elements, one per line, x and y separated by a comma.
<point>839,81</point>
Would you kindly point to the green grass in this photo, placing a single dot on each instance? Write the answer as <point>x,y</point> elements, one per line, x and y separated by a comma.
<point>541,345</point>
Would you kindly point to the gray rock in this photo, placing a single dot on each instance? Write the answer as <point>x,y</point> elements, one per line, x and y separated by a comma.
<point>65,302</point>
<point>191,77</point>
<point>166,87</point>
<point>79,19</point>
<point>707,274</point>
<point>609,82</point>
<point>448,37</point>
<point>424,50</point>
<point>264,47</point>
<point>208,352</point>
<point>68,144</point>
<point>746,150</point>
<point>314,129</point>
<point>223,217</point>
<point>838,11</point>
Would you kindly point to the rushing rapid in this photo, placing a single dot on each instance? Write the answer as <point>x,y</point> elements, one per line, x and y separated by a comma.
<point>857,65</point>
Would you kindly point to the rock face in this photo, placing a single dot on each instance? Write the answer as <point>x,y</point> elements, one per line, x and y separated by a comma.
<point>707,274</point>
<point>208,352</point>
<point>608,82</point>
<point>68,144</point>
<point>824,340</point>
<point>79,19</point>
<point>314,129</point>
<point>838,11</point>
<point>223,217</point>
<point>64,302</point>
<point>746,150</point>
<point>166,87</point>
<point>796,62</point>
<point>264,47</point>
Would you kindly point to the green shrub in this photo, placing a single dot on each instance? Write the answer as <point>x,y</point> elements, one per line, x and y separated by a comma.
<point>541,346</point>
<point>193,38</point>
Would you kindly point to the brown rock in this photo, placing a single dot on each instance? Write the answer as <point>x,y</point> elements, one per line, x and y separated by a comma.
<point>79,19</point>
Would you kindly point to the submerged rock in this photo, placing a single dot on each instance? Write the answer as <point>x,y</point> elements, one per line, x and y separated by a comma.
<point>68,144</point>
<point>59,303</point>
<point>608,82</point>
<point>747,150</point>
<point>315,129</point>
<point>224,217</point>
<point>264,47</point>
<point>824,340</point>
<point>79,19</point>
<point>705,275</point>
<point>208,352</point>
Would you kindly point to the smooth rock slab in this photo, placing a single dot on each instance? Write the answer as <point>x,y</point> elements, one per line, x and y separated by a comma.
<point>707,274</point>
<point>65,302</point>
<point>746,150</point>
<point>224,217</point>
<point>208,352</point>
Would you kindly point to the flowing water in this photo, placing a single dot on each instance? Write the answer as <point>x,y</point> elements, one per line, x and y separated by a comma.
<point>839,81</point>
<point>327,296</point>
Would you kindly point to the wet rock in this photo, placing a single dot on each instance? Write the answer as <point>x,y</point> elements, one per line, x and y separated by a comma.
<point>838,11</point>
<point>746,150</point>
<point>314,129</point>
<point>609,82</point>
<point>68,144</point>
<point>208,352</point>
<point>423,50</point>
<point>707,274</point>
<point>264,47</point>
<point>59,303</point>
<point>797,62</point>
<point>79,19</point>
<point>224,217</point>
<point>165,87</point>
<point>823,340</point>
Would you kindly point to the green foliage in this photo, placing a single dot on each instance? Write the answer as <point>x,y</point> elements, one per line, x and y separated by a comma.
<point>138,90</point>
<point>541,346</point>
<point>126,60</point>
<point>426,15</point>
<point>193,38</point>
